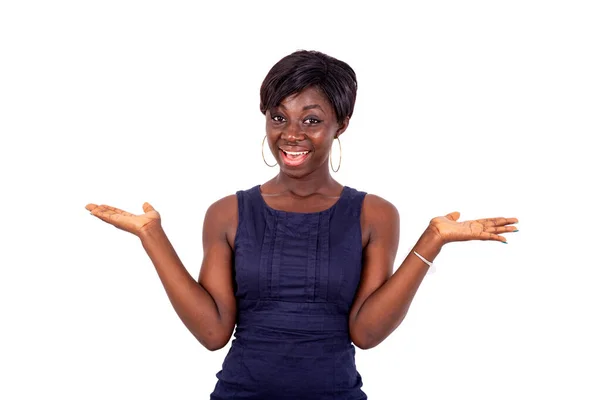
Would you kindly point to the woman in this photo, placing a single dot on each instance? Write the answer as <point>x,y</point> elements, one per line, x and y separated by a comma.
<point>301,265</point>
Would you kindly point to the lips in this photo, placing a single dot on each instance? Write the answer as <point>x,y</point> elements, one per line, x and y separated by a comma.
<point>294,156</point>
<point>293,149</point>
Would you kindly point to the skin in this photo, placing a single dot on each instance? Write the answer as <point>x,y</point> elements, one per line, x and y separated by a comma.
<point>208,308</point>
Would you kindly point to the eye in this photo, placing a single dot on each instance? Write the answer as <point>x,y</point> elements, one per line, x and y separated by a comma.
<point>312,121</point>
<point>277,118</point>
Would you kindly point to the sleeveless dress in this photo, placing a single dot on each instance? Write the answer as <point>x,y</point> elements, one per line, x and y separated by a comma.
<point>296,275</point>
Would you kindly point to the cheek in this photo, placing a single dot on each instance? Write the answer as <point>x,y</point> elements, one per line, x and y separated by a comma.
<point>271,134</point>
<point>323,141</point>
<point>268,142</point>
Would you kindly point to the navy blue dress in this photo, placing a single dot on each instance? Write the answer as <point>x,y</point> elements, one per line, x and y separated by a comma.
<point>296,275</point>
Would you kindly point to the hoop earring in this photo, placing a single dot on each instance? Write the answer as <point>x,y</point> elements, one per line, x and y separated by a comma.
<point>263,153</point>
<point>339,163</point>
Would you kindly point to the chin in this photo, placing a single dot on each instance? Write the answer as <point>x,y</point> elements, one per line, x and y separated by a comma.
<point>300,172</point>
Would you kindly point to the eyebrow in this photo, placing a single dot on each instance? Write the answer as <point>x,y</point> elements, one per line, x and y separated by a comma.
<point>308,107</point>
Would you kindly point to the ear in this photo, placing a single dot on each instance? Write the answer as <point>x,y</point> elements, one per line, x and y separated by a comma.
<point>343,126</point>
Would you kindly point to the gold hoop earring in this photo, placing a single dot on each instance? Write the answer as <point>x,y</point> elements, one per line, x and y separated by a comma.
<point>263,152</point>
<point>339,163</point>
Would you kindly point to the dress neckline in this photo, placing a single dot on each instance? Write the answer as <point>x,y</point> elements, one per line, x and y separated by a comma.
<point>268,207</point>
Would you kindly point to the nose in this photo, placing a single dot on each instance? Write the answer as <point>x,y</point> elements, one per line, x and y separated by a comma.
<point>292,133</point>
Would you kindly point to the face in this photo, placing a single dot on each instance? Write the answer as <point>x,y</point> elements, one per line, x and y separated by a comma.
<point>301,131</point>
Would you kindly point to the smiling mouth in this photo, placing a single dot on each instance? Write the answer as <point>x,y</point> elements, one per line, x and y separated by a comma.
<point>294,158</point>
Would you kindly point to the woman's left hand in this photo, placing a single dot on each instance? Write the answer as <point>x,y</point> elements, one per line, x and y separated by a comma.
<point>450,230</point>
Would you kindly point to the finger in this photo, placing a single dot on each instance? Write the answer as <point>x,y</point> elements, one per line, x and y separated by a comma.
<point>118,210</point>
<point>506,221</point>
<point>100,213</point>
<point>90,206</point>
<point>106,215</point>
<point>454,216</point>
<point>103,211</point>
<point>493,236</point>
<point>498,221</point>
<point>147,207</point>
<point>501,229</point>
<point>112,210</point>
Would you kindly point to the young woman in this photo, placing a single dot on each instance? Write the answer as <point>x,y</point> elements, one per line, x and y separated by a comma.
<point>301,265</point>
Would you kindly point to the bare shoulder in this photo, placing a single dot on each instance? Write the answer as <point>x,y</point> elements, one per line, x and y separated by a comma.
<point>225,206</point>
<point>379,217</point>
<point>378,210</point>
<point>374,201</point>
<point>222,217</point>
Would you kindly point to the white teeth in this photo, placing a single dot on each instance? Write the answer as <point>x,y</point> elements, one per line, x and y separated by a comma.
<point>296,153</point>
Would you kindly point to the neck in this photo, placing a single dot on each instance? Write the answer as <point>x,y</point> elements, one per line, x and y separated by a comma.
<point>319,181</point>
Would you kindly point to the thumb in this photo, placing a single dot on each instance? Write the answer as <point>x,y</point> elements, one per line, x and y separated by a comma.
<point>147,207</point>
<point>455,215</point>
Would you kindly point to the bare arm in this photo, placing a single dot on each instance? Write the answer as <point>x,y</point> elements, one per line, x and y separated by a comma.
<point>207,307</point>
<point>383,299</point>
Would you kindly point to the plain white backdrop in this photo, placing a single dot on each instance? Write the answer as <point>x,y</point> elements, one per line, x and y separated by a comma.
<point>487,108</point>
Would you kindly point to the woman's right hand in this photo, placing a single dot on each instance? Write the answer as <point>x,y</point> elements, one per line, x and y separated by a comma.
<point>123,220</point>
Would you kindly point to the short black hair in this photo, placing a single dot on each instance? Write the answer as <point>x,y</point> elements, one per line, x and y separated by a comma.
<point>305,68</point>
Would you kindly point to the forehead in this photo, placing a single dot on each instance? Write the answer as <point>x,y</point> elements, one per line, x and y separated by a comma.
<point>308,96</point>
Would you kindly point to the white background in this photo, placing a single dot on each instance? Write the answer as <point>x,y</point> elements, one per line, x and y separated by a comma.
<point>487,108</point>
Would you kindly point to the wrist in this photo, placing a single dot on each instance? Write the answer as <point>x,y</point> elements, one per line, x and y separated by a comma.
<point>151,231</point>
<point>429,244</point>
<point>433,234</point>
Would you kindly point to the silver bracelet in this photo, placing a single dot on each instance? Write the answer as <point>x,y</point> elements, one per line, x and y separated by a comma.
<point>424,260</point>
<point>431,269</point>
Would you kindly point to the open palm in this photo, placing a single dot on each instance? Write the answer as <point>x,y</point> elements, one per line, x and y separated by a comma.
<point>126,221</point>
<point>450,230</point>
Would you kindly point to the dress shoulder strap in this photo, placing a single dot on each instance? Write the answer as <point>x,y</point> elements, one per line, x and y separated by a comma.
<point>351,202</point>
<point>248,203</point>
